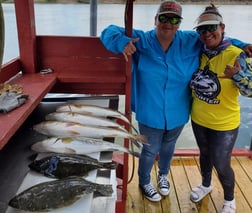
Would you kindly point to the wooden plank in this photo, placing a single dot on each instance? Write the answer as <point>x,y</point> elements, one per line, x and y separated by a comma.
<point>216,195</point>
<point>24,11</point>
<point>78,57</point>
<point>170,203</point>
<point>149,206</point>
<point>181,186</point>
<point>9,70</point>
<point>246,165</point>
<point>36,86</point>
<point>185,173</point>
<point>194,178</point>
<point>135,202</point>
<point>243,188</point>
<point>195,152</point>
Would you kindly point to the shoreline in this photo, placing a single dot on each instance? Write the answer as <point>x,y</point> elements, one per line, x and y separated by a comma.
<point>183,2</point>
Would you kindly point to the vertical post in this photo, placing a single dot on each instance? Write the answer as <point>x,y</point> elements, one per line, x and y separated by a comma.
<point>128,18</point>
<point>2,35</point>
<point>26,34</point>
<point>93,17</point>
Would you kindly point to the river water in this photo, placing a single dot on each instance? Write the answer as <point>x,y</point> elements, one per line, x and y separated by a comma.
<point>73,19</point>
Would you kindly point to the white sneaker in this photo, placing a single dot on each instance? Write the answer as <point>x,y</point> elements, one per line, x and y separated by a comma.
<point>228,206</point>
<point>199,192</point>
<point>163,185</point>
<point>150,192</point>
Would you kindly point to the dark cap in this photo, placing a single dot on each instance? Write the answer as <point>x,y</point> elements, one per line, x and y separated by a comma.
<point>170,7</point>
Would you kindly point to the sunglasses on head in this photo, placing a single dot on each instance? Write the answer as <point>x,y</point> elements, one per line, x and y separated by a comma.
<point>210,28</point>
<point>165,19</point>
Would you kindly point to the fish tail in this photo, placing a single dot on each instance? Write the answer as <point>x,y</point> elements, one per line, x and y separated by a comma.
<point>104,189</point>
<point>110,165</point>
<point>138,140</point>
<point>141,138</point>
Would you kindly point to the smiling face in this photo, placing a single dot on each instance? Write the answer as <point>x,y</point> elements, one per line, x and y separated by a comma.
<point>211,37</point>
<point>167,29</point>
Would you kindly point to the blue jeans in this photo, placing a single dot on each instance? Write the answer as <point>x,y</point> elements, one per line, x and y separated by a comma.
<point>160,142</point>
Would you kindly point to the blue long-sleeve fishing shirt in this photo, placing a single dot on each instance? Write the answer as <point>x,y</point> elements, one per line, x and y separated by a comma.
<point>161,97</point>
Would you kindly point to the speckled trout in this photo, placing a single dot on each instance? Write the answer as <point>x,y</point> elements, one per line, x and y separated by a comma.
<point>64,165</point>
<point>69,129</point>
<point>80,146</point>
<point>83,119</point>
<point>56,194</point>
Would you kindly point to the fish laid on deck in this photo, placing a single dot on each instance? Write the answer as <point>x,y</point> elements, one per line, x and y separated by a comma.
<point>80,146</point>
<point>55,194</point>
<point>83,119</point>
<point>92,110</point>
<point>68,129</point>
<point>62,165</point>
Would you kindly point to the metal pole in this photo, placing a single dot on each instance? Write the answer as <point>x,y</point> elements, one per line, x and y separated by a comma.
<point>93,17</point>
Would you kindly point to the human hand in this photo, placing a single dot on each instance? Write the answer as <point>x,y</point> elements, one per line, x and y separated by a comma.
<point>248,50</point>
<point>130,48</point>
<point>231,70</point>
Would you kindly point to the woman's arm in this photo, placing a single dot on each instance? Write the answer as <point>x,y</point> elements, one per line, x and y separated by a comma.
<point>243,78</point>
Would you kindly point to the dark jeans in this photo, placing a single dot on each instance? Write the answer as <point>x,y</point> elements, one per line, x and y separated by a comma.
<point>215,151</point>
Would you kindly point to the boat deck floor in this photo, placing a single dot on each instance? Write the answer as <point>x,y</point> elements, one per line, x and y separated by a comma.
<point>184,175</point>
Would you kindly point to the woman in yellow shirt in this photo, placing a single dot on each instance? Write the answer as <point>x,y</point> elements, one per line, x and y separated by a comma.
<point>223,74</point>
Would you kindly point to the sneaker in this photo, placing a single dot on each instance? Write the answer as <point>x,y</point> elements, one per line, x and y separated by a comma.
<point>199,192</point>
<point>228,206</point>
<point>163,185</point>
<point>150,192</point>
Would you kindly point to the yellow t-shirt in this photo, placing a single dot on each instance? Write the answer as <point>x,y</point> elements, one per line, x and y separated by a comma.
<point>215,100</point>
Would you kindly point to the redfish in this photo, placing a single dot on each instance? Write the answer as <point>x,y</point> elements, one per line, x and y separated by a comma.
<point>68,129</point>
<point>92,110</point>
<point>83,119</point>
<point>80,146</point>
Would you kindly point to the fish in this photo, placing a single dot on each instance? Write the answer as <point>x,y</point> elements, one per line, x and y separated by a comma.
<point>94,110</point>
<point>79,146</point>
<point>50,195</point>
<point>64,165</point>
<point>83,119</point>
<point>69,129</point>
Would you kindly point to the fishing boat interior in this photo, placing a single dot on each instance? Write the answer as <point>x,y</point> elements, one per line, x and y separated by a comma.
<point>58,65</point>
<point>62,65</point>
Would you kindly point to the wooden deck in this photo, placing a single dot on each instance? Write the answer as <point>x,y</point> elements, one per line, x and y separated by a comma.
<point>183,175</point>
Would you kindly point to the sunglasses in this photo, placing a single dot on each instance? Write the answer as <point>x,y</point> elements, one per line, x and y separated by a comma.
<point>172,20</point>
<point>203,29</point>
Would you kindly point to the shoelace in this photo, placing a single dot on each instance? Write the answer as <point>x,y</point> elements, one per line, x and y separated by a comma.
<point>163,181</point>
<point>150,189</point>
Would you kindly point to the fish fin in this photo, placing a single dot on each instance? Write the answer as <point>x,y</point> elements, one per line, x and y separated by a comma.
<point>69,151</point>
<point>67,140</point>
<point>110,165</point>
<point>104,189</point>
<point>122,117</point>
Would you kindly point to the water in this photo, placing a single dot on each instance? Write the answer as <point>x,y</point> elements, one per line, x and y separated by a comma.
<point>73,19</point>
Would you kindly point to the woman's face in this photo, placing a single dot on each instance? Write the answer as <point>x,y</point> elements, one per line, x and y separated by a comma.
<point>167,25</point>
<point>211,35</point>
